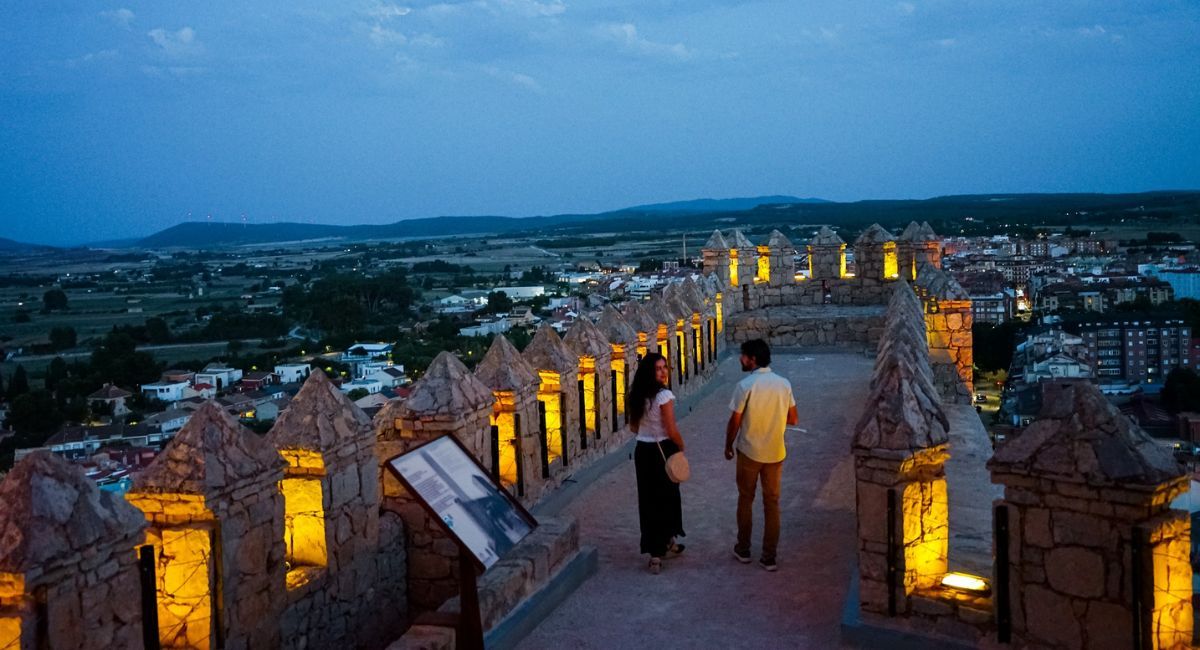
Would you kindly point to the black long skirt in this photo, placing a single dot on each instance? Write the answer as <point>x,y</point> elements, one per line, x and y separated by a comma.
<point>659,509</point>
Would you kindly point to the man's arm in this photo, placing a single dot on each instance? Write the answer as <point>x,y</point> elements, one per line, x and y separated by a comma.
<point>793,418</point>
<point>731,431</point>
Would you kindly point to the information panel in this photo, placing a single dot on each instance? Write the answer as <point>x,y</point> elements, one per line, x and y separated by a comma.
<point>457,490</point>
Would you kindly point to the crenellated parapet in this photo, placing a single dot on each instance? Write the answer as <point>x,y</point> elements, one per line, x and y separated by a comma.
<point>594,354</point>
<point>516,442</point>
<point>558,391</point>
<point>341,561</point>
<point>826,256</point>
<point>948,320</point>
<point>900,449</point>
<point>68,560</point>
<point>1093,553</point>
<point>875,255</point>
<point>918,245</point>
<point>447,400</point>
<point>624,340</point>
<point>216,518</point>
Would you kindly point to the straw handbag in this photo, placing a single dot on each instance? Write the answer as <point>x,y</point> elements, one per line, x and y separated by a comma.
<point>678,469</point>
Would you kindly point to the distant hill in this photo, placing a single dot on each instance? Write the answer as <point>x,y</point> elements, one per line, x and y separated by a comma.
<point>946,213</point>
<point>720,205</point>
<point>11,246</point>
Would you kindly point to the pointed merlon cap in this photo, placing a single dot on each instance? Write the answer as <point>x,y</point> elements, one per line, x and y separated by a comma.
<point>916,232</point>
<point>716,242</point>
<point>1080,437</point>
<point>874,236</point>
<point>639,319</point>
<point>50,511</point>
<point>827,237</point>
<point>614,326</point>
<point>902,415</point>
<point>658,311</point>
<point>692,296</point>
<point>503,368</point>
<point>679,306</point>
<point>671,306</point>
<point>448,388</point>
<point>548,352</point>
<point>585,340</point>
<point>740,241</point>
<point>210,455</point>
<point>320,418</point>
<point>940,284</point>
<point>779,241</point>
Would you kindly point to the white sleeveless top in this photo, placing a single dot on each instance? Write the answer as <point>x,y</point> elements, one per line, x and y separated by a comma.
<point>650,429</point>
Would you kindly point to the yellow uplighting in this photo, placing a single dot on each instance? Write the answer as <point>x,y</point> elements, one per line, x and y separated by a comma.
<point>965,582</point>
<point>587,372</point>
<point>549,394</point>
<point>764,264</point>
<point>304,523</point>
<point>618,368</point>
<point>720,319</point>
<point>891,264</point>
<point>926,533</point>
<point>12,593</point>
<point>504,419</point>
<point>642,349</point>
<point>185,576</point>
<point>733,267</point>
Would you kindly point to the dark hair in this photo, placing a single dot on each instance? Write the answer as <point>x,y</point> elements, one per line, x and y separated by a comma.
<point>645,386</point>
<point>758,350</point>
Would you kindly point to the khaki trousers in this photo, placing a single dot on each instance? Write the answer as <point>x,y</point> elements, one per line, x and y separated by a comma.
<point>749,473</point>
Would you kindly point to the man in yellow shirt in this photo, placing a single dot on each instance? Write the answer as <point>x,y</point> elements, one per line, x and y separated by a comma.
<point>762,409</point>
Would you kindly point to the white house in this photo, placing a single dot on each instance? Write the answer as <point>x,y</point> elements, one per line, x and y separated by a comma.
<point>166,391</point>
<point>390,377</point>
<point>487,328</point>
<point>220,376</point>
<point>290,373</point>
<point>372,386</point>
<point>169,421</point>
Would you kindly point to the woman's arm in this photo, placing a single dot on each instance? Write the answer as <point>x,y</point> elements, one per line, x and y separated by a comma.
<point>668,420</point>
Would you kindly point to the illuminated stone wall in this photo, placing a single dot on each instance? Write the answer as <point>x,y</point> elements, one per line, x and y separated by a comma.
<point>595,369</point>
<point>1088,498</point>
<point>216,518</point>
<point>900,449</point>
<point>948,322</point>
<point>447,400</point>
<point>558,371</point>
<point>826,256</point>
<point>514,383</point>
<point>781,262</point>
<point>875,255</point>
<point>69,550</point>
<point>339,563</point>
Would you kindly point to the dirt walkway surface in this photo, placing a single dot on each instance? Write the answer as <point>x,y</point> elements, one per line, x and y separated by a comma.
<point>706,599</point>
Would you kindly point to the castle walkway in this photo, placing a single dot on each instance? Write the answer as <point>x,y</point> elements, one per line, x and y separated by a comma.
<point>707,599</point>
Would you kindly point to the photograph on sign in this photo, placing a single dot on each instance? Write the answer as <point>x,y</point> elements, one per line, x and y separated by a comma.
<point>458,490</point>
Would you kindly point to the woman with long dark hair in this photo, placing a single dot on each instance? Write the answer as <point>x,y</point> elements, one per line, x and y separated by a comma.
<point>652,417</point>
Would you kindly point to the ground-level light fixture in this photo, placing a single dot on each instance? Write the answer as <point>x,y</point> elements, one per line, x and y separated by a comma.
<point>966,582</point>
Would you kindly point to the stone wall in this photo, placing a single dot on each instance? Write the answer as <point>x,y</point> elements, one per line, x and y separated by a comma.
<point>948,320</point>
<point>859,327</point>
<point>1097,556</point>
<point>70,551</point>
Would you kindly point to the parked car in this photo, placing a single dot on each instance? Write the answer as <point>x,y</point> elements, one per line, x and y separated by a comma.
<point>981,397</point>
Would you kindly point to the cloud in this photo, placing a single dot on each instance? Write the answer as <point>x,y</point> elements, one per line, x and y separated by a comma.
<point>383,36</point>
<point>120,17</point>
<point>906,8</point>
<point>92,57</point>
<point>176,44</point>
<point>523,80</point>
<point>172,71</point>
<point>627,37</point>
<point>532,8</point>
<point>387,12</point>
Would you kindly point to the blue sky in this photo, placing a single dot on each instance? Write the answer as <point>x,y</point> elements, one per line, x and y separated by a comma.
<point>121,118</point>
